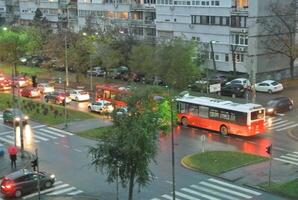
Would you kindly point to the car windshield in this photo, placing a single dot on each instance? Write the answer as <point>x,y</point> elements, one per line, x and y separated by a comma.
<point>272,103</point>
<point>236,82</point>
<point>82,92</point>
<point>274,83</point>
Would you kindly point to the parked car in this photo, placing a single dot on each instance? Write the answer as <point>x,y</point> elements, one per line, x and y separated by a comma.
<point>269,86</point>
<point>22,81</point>
<point>57,97</point>
<point>45,87</point>
<point>219,78</point>
<point>97,71</point>
<point>25,181</point>
<point>241,81</point>
<point>279,105</point>
<point>2,77</point>
<point>118,73</point>
<point>79,95</point>
<point>14,115</point>
<point>101,106</point>
<point>233,90</point>
<point>30,92</point>
<point>5,84</point>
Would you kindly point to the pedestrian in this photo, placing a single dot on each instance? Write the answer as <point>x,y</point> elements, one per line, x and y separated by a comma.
<point>12,150</point>
<point>13,159</point>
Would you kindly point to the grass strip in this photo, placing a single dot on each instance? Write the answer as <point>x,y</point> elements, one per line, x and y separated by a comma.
<point>218,162</point>
<point>45,113</point>
<point>287,189</point>
<point>96,133</point>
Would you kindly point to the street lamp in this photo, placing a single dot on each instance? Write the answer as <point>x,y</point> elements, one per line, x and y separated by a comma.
<point>212,54</point>
<point>172,145</point>
<point>91,74</point>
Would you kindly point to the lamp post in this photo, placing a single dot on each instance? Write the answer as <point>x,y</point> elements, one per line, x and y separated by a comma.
<point>172,145</point>
<point>212,54</point>
<point>91,74</point>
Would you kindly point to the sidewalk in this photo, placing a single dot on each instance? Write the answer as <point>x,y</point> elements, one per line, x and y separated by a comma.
<point>21,163</point>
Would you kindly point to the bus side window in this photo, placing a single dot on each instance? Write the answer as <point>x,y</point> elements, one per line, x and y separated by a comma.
<point>203,111</point>
<point>182,107</point>
<point>213,113</point>
<point>194,109</point>
<point>241,118</point>
<point>224,115</point>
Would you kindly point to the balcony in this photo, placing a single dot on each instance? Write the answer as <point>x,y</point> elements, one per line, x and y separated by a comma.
<point>142,7</point>
<point>239,10</point>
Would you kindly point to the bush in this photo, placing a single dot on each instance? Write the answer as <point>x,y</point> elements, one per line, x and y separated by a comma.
<point>45,111</point>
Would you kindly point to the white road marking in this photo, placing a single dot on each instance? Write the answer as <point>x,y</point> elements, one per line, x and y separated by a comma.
<point>281,125</point>
<point>168,197</point>
<point>199,194</point>
<point>45,135</point>
<point>12,138</point>
<point>292,155</point>
<point>51,132</point>
<point>292,126</point>
<point>186,196</point>
<point>61,131</point>
<point>289,158</point>
<point>222,195</point>
<point>6,140</point>
<point>62,191</point>
<point>225,189</point>
<point>78,150</point>
<point>66,146</point>
<point>76,192</point>
<point>6,132</point>
<point>38,126</point>
<point>150,199</point>
<point>45,191</point>
<point>235,187</point>
<point>6,126</point>
<point>40,138</point>
<point>286,161</point>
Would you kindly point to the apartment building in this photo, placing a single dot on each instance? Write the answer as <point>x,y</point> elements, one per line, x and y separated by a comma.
<point>227,31</point>
<point>134,16</point>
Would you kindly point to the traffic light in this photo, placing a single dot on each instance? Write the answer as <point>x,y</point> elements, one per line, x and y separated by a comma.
<point>269,149</point>
<point>34,164</point>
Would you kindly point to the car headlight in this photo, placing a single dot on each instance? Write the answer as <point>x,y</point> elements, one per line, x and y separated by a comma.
<point>17,119</point>
<point>26,117</point>
<point>52,176</point>
<point>270,110</point>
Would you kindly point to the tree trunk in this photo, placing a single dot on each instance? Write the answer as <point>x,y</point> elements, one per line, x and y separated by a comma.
<point>292,67</point>
<point>131,183</point>
<point>234,63</point>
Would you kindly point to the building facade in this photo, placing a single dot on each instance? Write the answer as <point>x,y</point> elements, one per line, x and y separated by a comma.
<point>227,31</point>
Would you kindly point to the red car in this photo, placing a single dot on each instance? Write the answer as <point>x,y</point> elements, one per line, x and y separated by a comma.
<point>30,92</point>
<point>2,77</point>
<point>5,84</point>
<point>22,81</point>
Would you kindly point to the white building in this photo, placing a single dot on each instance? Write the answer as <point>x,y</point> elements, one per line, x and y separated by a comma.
<point>228,27</point>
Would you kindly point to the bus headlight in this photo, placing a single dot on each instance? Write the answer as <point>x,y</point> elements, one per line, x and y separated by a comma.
<point>17,119</point>
<point>26,117</point>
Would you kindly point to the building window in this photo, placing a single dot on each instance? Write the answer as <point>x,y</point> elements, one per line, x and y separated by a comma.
<point>217,57</point>
<point>240,39</point>
<point>227,57</point>
<point>239,58</point>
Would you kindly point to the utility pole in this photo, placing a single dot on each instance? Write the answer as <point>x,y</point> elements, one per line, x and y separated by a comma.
<point>38,178</point>
<point>212,55</point>
<point>66,70</point>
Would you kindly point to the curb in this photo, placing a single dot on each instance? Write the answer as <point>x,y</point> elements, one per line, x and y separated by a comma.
<point>291,134</point>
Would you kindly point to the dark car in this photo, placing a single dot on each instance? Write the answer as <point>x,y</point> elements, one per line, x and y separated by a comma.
<point>279,105</point>
<point>233,90</point>
<point>14,115</point>
<point>25,181</point>
<point>57,97</point>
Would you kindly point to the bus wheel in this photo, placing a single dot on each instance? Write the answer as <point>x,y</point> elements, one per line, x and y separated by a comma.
<point>184,121</point>
<point>224,130</point>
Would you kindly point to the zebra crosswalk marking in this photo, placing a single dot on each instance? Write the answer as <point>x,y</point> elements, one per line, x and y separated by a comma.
<point>75,193</point>
<point>292,155</point>
<point>225,190</point>
<point>40,138</point>
<point>150,199</point>
<point>276,123</point>
<point>61,131</point>
<point>185,196</point>
<point>12,138</point>
<point>45,135</point>
<point>281,125</point>
<point>38,126</point>
<point>286,161</point>
<point>168,197</point>
<point>235,186</point>
<point>45,191</point>
<point>6,140</point>
<point>214,192</point>
<point>199,194</point>
<point>289,158</point>
<point>62,191</point>
<point>292,126</point>
<point>51,132</point>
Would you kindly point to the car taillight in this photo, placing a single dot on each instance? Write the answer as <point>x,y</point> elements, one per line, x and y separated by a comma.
<point>7,186</point>
<point>61,97</point>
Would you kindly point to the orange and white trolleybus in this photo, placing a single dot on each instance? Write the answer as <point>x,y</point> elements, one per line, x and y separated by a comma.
<point>227,117</point>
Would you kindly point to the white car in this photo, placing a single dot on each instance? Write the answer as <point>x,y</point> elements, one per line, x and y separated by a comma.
<point>101,106</point>
<point>45,87</point>
<point>240,81</point>
<point>269,86</point>
<point>79,95</point>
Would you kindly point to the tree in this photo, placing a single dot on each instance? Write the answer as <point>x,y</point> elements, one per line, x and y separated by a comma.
<point>127,151</point>
<point>234,49</point>
<point>142,59</point>
<point>38,16</point>
<point>280,30</point>
<point>177,62</point>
